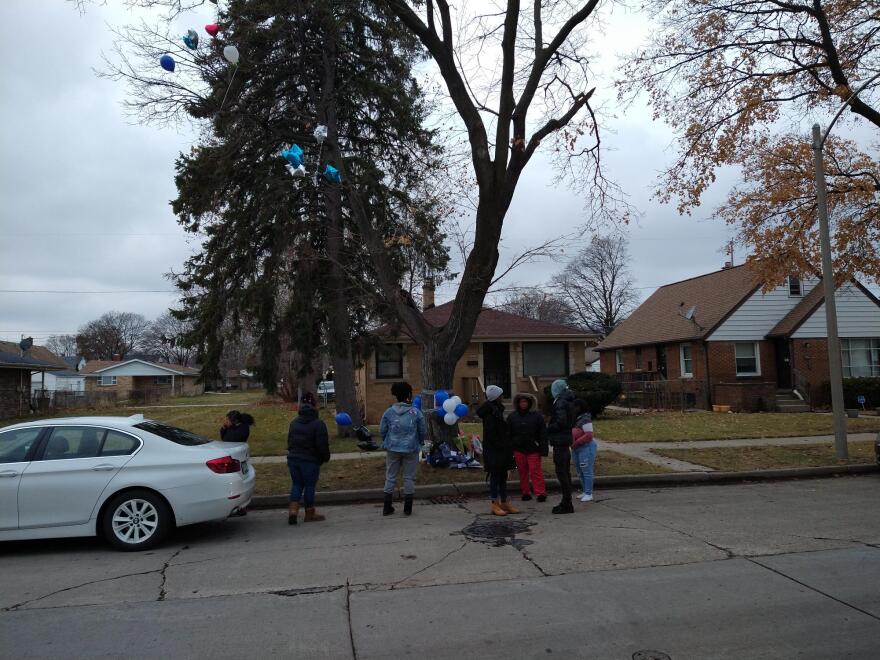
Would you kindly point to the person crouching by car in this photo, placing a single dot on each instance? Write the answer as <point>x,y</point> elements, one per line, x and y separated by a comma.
<point>403,432</point>
<point>562,421</point>
<point>236,427</point>
<point>308,447</point>
<point>583,449</point>
<point>528,435</point>
<point>497,450</point>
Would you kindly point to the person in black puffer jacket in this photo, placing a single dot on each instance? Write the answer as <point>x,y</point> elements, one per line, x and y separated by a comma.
<point>497,450</point>
<point>308,447</point>
<point>528,435</point>
<point>236,427</point>
<point>562,421</point>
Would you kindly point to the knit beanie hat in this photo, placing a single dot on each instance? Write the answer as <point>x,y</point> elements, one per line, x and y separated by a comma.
<point>493,392</point>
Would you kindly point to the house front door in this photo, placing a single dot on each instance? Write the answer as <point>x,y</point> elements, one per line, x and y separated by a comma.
<point>661,360</point>
<point>496,365</point>
<point>783,364</point>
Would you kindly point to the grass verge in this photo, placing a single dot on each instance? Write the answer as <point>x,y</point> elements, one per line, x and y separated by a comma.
<point>274,479</point>
<point>675,427</point>
<point>738,459</point>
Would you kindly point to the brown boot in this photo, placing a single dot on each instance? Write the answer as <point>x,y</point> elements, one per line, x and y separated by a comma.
<point>497,510</point>
<point>311,516</point>
<point>508,507</point>
<point>292,512</point>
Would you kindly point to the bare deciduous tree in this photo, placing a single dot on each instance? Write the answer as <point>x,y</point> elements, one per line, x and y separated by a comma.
<point>64,345</point>
<point>166,338</point>
<point>597,285</point>
<point>539,304</point>
<point>115,333</point>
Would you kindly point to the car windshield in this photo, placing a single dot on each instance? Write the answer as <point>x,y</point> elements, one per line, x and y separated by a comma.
<point>172,433</point>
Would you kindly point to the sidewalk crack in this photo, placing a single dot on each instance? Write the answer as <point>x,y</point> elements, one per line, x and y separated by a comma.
<point>354,654</point>
<point>163,572</point>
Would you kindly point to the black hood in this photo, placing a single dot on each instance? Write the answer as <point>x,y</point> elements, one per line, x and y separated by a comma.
<point>527,397</point>
<point>307,412</point>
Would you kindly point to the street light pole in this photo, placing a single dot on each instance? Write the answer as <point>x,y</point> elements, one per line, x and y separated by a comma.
<point>841,450</point>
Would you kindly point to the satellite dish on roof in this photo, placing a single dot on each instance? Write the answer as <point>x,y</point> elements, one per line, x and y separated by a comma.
<point>26,343</point>
<point>690,313</point>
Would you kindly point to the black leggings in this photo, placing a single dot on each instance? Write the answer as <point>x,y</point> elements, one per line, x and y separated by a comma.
<point>498,485</point>
<point>562,463</point>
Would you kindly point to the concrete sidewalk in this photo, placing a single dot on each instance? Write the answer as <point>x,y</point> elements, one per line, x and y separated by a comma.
<point>642,450</point>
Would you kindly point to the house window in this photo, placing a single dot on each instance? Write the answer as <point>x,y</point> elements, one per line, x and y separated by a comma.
<point>748,361</point>
<point>860,357</point>
<point>162,380</point>
<point>545,358</point>
<point>389,361</point>
<point>106,380</point>
<point>618,354</point>
<point>687,362</point>
<point>638,359</point>
<point>794,286</point>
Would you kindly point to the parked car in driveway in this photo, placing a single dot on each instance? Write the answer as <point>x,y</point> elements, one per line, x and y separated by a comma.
<point>129,480</point>
<point>327,390</point>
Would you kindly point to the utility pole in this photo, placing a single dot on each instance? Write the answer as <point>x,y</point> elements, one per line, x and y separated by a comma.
<point>841,450</point>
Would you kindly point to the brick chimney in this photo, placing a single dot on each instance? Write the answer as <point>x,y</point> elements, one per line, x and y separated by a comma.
<point>428,294</point>
<point>116,358</point>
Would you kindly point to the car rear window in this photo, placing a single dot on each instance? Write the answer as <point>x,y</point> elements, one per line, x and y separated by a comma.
<point>172,433</point>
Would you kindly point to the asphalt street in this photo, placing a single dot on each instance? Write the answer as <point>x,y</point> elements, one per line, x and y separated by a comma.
<point>769,570</point>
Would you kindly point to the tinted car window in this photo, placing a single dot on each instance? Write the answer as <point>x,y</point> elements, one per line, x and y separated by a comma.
<point>73,442</point>
<point>172,433</point>
<point>14,445</point>
<point>119,444</point>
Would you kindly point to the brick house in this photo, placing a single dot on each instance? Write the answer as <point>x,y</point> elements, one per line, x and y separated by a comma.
<point>516,353</point>
<point>718,339</point>
<point>140,380</point>
<point>16,369</point>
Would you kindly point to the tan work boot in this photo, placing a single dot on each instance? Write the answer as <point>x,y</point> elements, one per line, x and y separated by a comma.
<point>497,509</point>
<point>292,512</point>
<point>508,507</point>
<point>311,516</point>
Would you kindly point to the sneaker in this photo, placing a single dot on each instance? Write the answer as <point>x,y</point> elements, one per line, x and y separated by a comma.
<point>542,498</point>
<point>586,497</point>
<point>563,507</point>
<point>526,497</point>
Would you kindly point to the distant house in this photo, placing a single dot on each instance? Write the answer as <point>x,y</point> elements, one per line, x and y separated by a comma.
<point>516,353</point>
<point>241,379</point>
<point>140,380</point>
<point>718,339</point>
<point>70,381</point>
<point>16,367</point>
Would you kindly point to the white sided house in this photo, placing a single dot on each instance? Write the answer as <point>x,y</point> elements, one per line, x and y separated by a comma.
<point>722,340</point>
<point>69,381</point>
<point>141,380</point>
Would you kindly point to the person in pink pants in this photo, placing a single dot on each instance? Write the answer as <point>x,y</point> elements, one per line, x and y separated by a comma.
<point>528,435</point>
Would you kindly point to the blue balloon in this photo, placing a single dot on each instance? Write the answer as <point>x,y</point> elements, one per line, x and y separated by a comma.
<point>191,39</point>
<point>417,402</point>
<point>332,174</point>
<point>343,419</point>
<point>461,410</point>
<point>440,397</point>
<point>167,62</point>
<point>293,155</point>
<point>441,413</point>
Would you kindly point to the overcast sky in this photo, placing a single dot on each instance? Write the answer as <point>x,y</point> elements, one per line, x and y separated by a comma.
<point>84,192</point>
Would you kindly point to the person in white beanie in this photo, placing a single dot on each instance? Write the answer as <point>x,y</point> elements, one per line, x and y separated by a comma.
<point>497,450</point>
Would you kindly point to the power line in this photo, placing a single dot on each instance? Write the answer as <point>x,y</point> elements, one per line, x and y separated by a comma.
<point>88,292</point>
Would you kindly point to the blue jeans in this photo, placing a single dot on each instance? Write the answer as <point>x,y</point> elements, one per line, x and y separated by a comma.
<point>397,461</point>
<point>304,476</point>
<point>584,458</point>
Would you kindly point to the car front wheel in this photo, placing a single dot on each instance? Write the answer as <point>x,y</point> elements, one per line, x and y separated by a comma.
<point>136,520</point>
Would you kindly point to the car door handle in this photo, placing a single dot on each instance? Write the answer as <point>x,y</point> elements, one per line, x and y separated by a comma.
<point>103,468</point>
<point>9,473</point>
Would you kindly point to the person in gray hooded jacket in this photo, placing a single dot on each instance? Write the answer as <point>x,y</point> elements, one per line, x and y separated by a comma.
<point>403,432</point>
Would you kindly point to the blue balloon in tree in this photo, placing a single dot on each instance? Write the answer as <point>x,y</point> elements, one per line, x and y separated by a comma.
<point>343,419</point>
<point>461,410</point>
<point>167,62</point>
<point>417,402</point>
<point>293,155</point>
<point>332,174</point>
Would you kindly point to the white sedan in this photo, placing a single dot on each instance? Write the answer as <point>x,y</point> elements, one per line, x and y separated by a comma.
<point>127,479</point>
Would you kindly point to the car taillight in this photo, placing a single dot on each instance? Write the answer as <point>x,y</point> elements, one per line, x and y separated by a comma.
<point>224,465</point>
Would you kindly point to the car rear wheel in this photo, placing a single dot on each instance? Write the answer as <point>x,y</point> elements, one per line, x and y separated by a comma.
<point>136,520</point>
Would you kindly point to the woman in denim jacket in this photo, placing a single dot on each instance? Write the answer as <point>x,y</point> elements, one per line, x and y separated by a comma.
<point>403,432</point>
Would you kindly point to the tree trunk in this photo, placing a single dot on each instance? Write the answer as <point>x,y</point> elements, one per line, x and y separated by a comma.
<point>438,371</point>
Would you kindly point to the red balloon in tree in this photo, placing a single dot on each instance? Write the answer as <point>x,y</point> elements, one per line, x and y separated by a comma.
<point>212,29</point>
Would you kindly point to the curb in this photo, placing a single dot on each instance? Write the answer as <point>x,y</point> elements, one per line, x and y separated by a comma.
<point>622,481</point>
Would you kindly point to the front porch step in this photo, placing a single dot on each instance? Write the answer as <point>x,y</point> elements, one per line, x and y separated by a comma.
<point>785,407</point>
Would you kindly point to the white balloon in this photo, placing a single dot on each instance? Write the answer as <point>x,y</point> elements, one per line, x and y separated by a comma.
<point>320,133</point>
<point>449,405</point>
<point>297,172</point>
<point>457,400</point>
<point>231,54</point>
<point>450,418</point>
